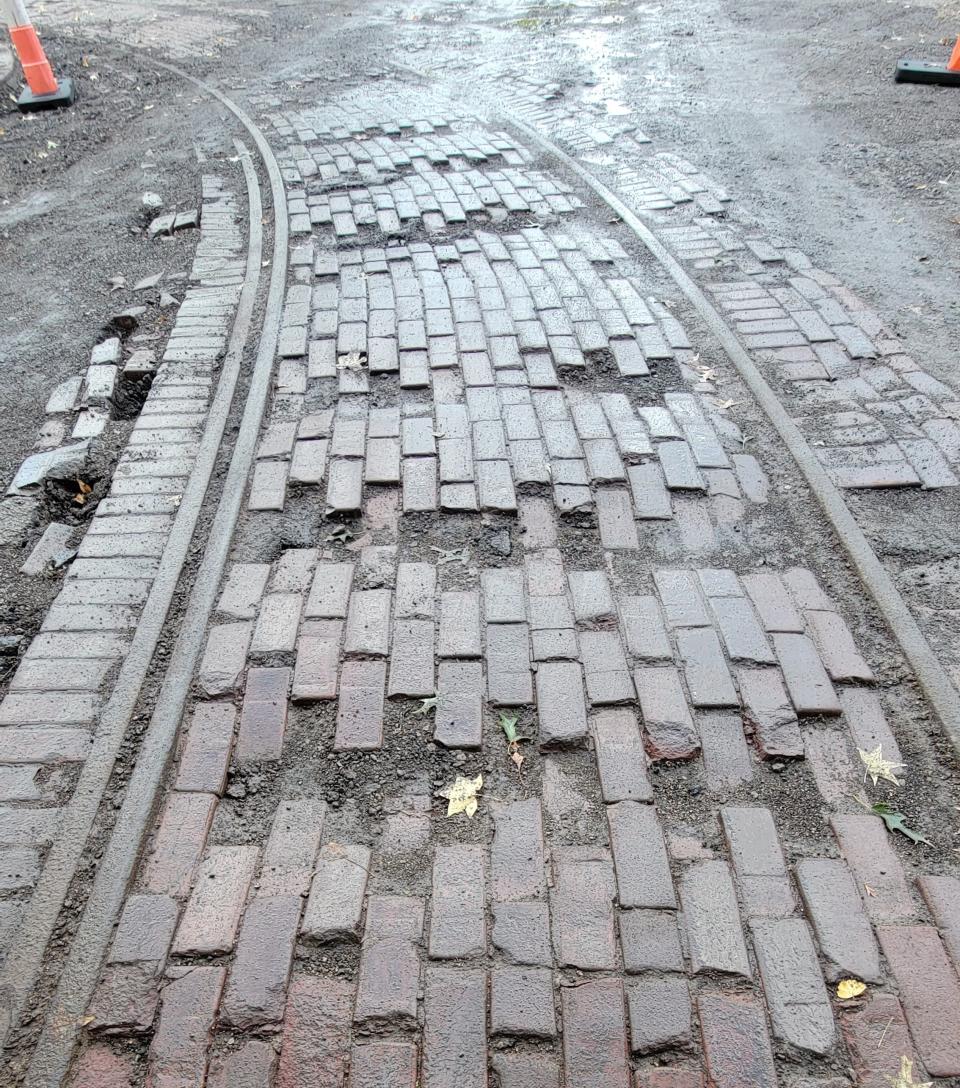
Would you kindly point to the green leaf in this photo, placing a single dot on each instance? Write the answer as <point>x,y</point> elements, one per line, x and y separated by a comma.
<point>509,725</point>
<point>430,703</point>
<point>896,821</point>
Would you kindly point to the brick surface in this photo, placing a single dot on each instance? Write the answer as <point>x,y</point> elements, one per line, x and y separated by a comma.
<point>315,674</point>
<point>335,905</point>
<point>806,678</point>
<point>459,625</point>
<point>561,707</point>
<point>454,1028</point>
<point>712,920</point>
<point>458,717</point>
<point>659,1010</point>
<point>605,668</point>
<point>942,896</point>
<point>836,646</point>
<point>411,660</point>
<point>726,757</point>
<point>758,863</point>
<point>224,658</point>
<point>644,630</point>
<point>97,1066</point>
<point>389,966</point>
<point>457,922</point>
<point>383,1065</point>
<point>276,629</point>
<point>360,713</point>
<point>257,987</point>
<point>251,1065</point>
<point>836,912</point>
<point>316,1033</point>
<point>503,595</point>
<point>595,1035</point>
<point>669,1077</point>
<point>668,726</point>
<point>621,760</point>
<point>877,1038</point>
<point>368,622</point>
<point>792,984</point>
<point>178,843</point>
<point>773,602</point>
<point>650,941</point>
<point>521,1002</point>
<point>263,716</point>
<point>705,669</point>
<point>212,914</point>
<point>145,930</point>
<point>768,713</point>
<point>741,631</point>
<point>581,908</point>
<point>509,682</point>
<point>330,591</point>
<point>864,842</point>
<point>639,856</point>
<point>681,598</point>
<point>206,752</point>
<point>521,933</point>
<point>188,1009</point>
<point>929,991</point>
<point>533,1070</point>
<point>125,1000</point>
<point>735,1041</point>
<point>517,853</point>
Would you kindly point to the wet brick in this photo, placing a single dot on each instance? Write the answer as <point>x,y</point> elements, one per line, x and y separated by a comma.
<point>257,987</point>
<point>206,753</point>
<point>97,1066</point>
<point>621,760</point>
<point>360,713</point>
<point>644,630</point>
<point>335,905</point>
<point>178,843</point>
<point>145,930</point>
<point>582,908</point>
<point>769,713</point>
<point>263,717</point>
<point>454,1028</point>
<point>316,1033</point>
<point>877,1038</point>
<point>188,1009</point>
<point>659,1011</point>
<point>705,669</point>
<point>562,710</point>
<point>864,843</point>
<point>836,912</point>
<point>389,965</point>
<point>125,1000</point>
<point>291,849</point>
<point>942,896</point>
<point>765,888</point>
<point>595,1035</point>
<point>735,1041</point>
<point>527,1070</point>
<point>517,853</point>
<point>521,1002</point>
<point>806,679</point>
<point>383,1065</point>
<point>251,1065</point>
<point>640,856</point>
<point>670,732</point>
<point>605,668</point>
<point>212,915</point>
<point>521,933</point>
<point>712,919</point>
<point>650,941</point>
<point>457,923</point>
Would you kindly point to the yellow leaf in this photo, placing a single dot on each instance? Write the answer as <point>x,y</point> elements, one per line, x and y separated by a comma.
<point>462,795</point>
<point>850,987</point>
<point>905,1079</point>
<point>878,767</point>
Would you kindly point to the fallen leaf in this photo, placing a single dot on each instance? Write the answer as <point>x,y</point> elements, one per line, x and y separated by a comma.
<point>905,1077</point>
<point>83,490</point>
<point>877,767</point>
<point>508,723</point>
<point>462,795</point>
<point>340,535</point>
<point>353,360</point>
<point>896,821</point>
<point>430,703</point>
<point>850,987</point>
<point>872,892</point>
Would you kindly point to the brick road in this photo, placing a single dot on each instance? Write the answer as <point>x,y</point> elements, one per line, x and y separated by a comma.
<point>498,479</point>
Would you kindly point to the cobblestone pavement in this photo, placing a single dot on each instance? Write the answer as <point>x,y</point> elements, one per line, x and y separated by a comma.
<point>508,481</point>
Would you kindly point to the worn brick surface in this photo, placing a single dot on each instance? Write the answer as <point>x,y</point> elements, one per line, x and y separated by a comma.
<point>930,994</point>
<point>509,681</point>
<point>178,843</point>
<point>621,761</point>
<point>212,914</point>
<point>942,896</point>
<point>595,1035</point>
<point>521,1002</point>
<point>335,905</point>
<point>517,853</point>
<point>668,725</point>
<point>712,920</point>
<point>768,713</point>
<point>224,658</point>
<point>389,965</point>
<point>251,1065</point>
<point>735,1041</point>
<point>864,842</point>
<point>97,1066</point>
<point>836,913</point>
<point>188,1008</point>
<point>257,987</point>
<point>263,716</point>
<point>877,1038</point>
<point>206,752</point>
<point>758,862</point>
<point>659,1010</point>
<point>144,930</point>
<point>383,1065</point>
<point>562,713</point>
<point>650,941</point>
<point>454,1027</point>
<point>360,712</point>
<point>521,932</point>
<point>457,921</point>
<point>316,1033</point>
<point>639,856</point>
<point>581,908</point>
<point>533,1070</point>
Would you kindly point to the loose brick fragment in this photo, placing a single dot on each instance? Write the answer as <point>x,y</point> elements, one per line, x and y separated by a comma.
<point>561,707</point>
<point>668,726</point>
<point>457,923</point>
<point>793,986</point>
<point>188,1009</point>
<point>257,987</point>
<point>339,885</point>
<point>581,908</point>
<point>517,853</point>
<point>263,717</point>
<point>521,1002</point>
<point>178,843</point>
<point>206,753</point>
<point>768,713</point>
<point>758,862</point>
<point>316,1033</point>
<point>212,914</point>
<point>864,842</point>
<point>621,760</point>
<point>454,1027</point>
<point>595,1035</point>
<point>712,919</point>
<point>735,1041</point>
<point>360,713</point>
<point>639,856</point>
<point>125,1000</point>
<point>836,912</point>
<point>659,1011</point>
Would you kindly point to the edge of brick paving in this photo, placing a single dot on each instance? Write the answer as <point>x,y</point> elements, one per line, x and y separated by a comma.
<point>51,1058</point>
<point>931,675</point>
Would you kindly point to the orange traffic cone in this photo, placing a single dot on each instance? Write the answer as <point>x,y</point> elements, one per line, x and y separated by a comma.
<point>43,91</point>
<point>921,71</point>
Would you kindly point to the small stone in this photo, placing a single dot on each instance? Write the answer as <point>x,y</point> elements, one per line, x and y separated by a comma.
<point>152,200</point>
